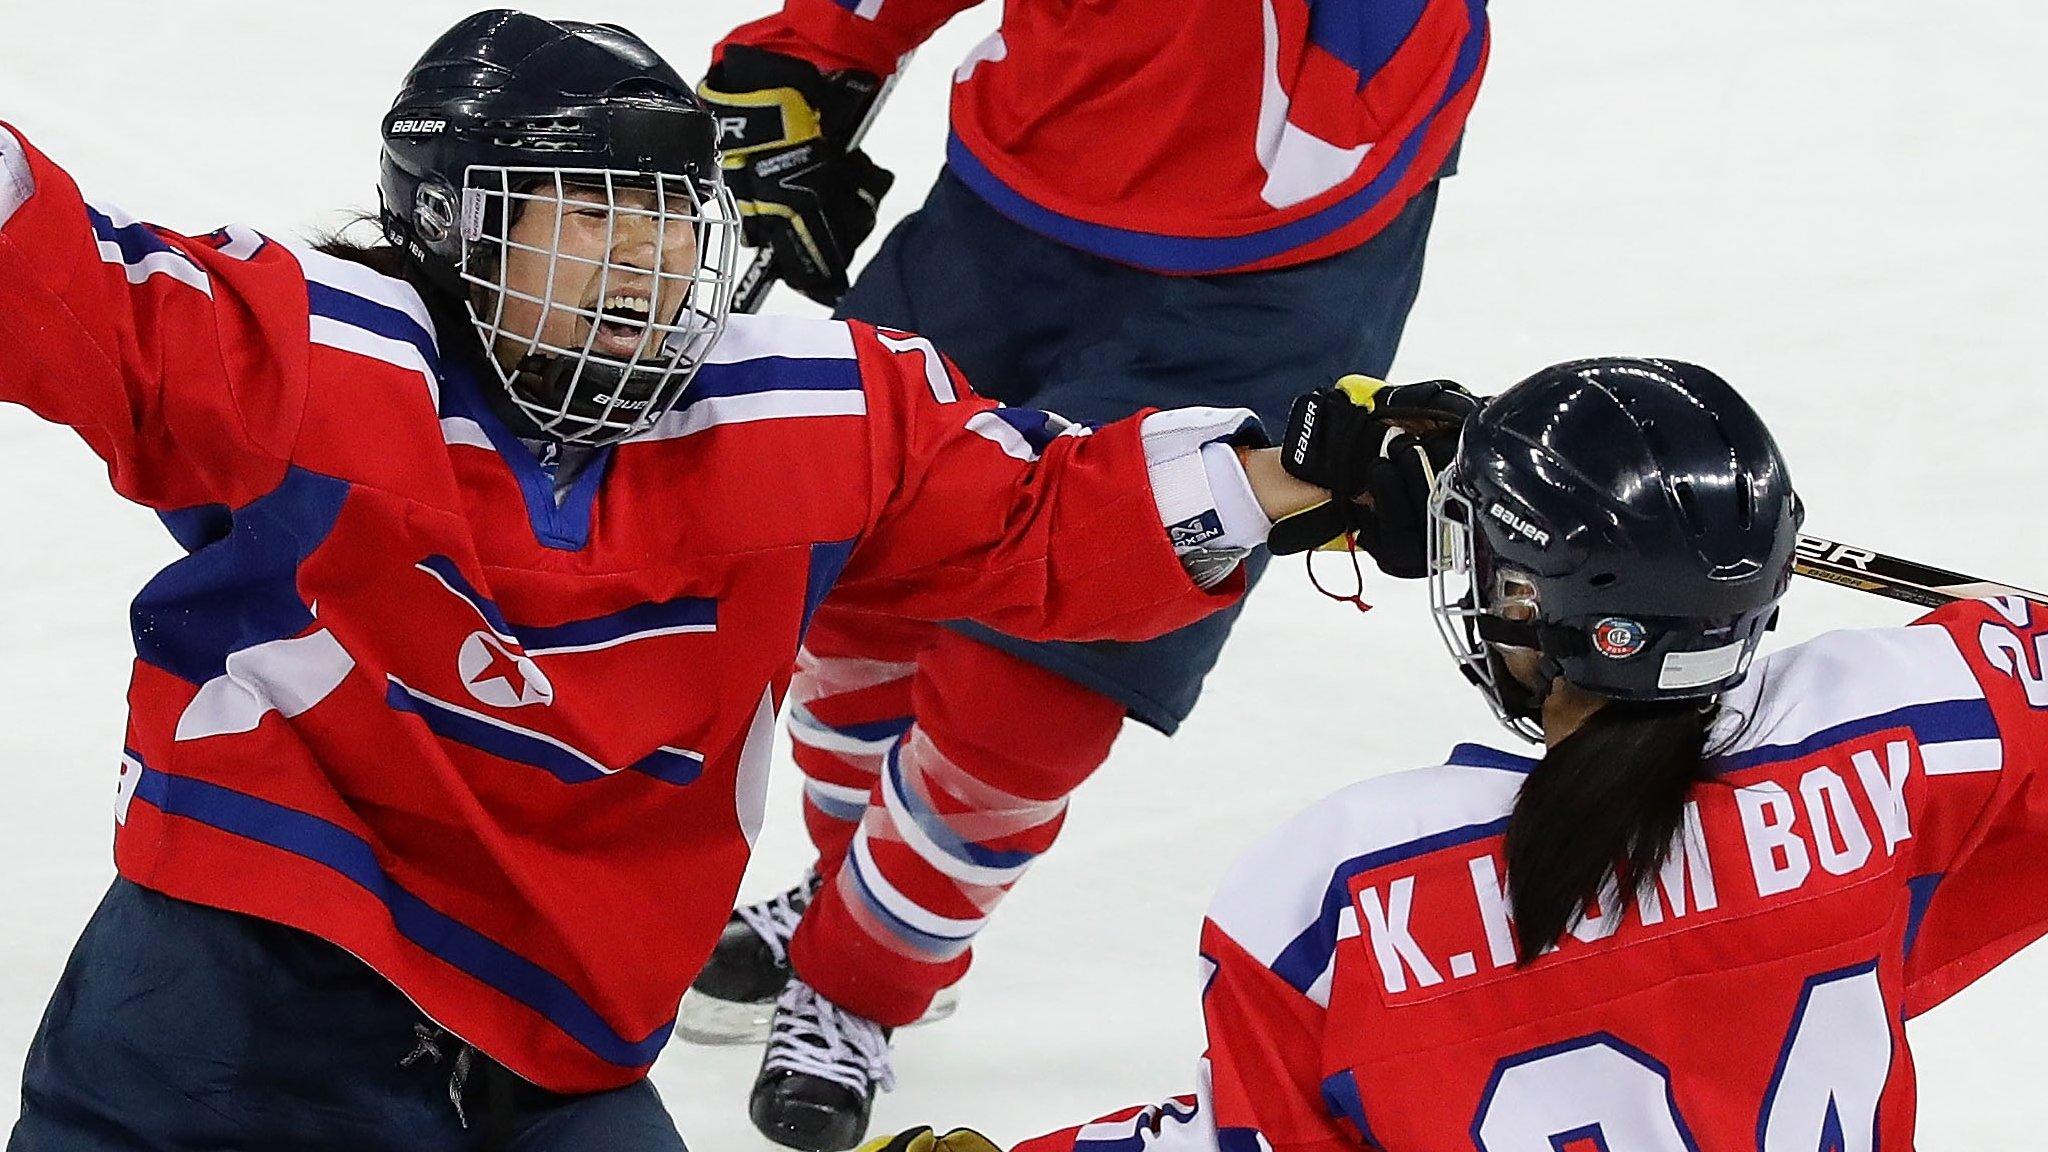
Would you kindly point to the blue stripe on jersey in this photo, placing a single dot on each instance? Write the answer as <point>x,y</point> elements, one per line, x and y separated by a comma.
<point>694,613</point>
<point>241,588</point>
<point>1195,255</point>
<point>451,577</point>
<point>329,302</point>
<point>1480,756</point>
<point>1240,1140</point>
<point>934,825</point>
<point>1920,893</point>
<point>136,241</point>
<point>1145,1128</point>
<point>505,741</point>
<point>196,527</point>
<point>677,766</point>
<point>1936,723</point>
<point>454,942</point>
<point>1301,963</point>
<point>1342,1097</point>
<point>563,526</point>
<point>1039,429</point>
<point>774,374</point>
<point>828,560</point>
<point>1364,34</point>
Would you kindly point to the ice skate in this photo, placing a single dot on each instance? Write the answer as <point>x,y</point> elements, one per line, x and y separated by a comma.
<point>820,1073</point>
<point>732,1001</point>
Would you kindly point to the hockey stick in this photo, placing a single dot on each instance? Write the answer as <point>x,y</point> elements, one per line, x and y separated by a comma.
<point>752,290</point>
<point>1893,576</point>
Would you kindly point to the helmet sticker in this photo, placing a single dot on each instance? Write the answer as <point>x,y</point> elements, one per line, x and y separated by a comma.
<point>1618,637</point>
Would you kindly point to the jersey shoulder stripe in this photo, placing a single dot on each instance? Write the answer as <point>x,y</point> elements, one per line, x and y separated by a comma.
<point>1286,901</point>
<point>133,246</point>
<point>354,309</point>
<point>1850,683</point>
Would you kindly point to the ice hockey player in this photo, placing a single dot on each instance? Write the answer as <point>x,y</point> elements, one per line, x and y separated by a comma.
<point>448,732</point>
<point>1144,203</point>
<point>1811,850</point>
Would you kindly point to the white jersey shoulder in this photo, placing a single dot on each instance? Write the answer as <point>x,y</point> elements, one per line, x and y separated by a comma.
<point>1285,900</point>
<point>749,337</point>
<point>1842,684</point>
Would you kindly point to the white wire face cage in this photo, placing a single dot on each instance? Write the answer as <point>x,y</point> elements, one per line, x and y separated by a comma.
<point>1457,600</point>
<point>641,332</point>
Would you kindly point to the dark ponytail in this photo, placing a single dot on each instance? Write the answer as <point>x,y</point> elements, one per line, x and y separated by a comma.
<point>1607,800</point>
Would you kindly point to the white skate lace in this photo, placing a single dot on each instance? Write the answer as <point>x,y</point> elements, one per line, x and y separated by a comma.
<point>774,920</point>
<point>815,1037</point>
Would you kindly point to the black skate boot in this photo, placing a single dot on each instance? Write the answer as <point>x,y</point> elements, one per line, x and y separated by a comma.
<point>733,999</point>
<point>819,1076</point>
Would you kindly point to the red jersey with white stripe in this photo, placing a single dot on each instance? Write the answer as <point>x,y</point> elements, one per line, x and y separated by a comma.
<point>1873,837</point>
<point>1183,136</point>
<point>509,750</point>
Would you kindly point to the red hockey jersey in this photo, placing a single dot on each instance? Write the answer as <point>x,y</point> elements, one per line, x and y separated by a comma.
<point>1874,838</point>
<point>1183,136</point>
<point>509,750</point>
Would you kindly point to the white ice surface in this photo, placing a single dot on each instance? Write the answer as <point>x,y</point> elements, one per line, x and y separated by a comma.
<point>1837,203</point>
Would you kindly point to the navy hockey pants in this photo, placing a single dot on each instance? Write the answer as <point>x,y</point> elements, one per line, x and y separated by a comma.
<point>1036,324</point>
<point>177,1026</point>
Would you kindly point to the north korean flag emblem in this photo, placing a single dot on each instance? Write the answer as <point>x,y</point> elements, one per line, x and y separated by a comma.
<point>500,677</point>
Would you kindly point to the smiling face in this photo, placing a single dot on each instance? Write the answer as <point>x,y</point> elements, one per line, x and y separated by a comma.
<point>591,271</point>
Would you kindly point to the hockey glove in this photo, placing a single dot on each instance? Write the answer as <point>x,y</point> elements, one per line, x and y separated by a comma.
<point>805,196</point>
<point>925,1140</point>
<point>1377,448</point>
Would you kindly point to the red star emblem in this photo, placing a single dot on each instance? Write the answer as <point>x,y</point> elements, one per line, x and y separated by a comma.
<point>503,666</point>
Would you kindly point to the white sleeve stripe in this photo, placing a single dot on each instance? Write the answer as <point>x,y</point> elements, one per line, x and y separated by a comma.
<point>357,280</point>
<point>1958,757</point>
<point>172,264</point>
<point>333,333</point>
<point>782,337</point>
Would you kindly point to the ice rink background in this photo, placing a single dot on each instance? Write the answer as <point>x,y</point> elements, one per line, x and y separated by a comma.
<point>1836,203</point>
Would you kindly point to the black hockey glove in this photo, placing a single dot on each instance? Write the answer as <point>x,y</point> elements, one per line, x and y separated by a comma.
<point>1385,443</point>
<point>804,195</point>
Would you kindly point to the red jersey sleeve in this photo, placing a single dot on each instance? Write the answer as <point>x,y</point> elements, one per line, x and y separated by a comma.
<point>1013,517</point>
<point>1261,1082</point>
<point>181,362</point>
<point>1980,892</point>
<point>867,35</point>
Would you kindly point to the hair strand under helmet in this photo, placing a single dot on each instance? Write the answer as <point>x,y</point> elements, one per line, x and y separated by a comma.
<point>507,111</point>
<point>1631,520</point>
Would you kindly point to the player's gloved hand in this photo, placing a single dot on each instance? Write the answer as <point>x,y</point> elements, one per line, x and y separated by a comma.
<point>804,194</point>
<point>1377,448</point>
<point>925,1140</point>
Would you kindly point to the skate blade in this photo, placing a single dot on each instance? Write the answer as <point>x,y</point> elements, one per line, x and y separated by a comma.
<point>709,1020</point>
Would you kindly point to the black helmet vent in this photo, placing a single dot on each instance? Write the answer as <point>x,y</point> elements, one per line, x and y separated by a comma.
<point>1688,505</point>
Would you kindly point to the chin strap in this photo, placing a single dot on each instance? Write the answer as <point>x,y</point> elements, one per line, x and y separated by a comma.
<point>1555,644</point>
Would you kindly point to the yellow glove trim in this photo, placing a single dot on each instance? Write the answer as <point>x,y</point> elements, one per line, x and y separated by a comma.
<point>799,120</point>
<point>924,1140</point>
<point>1361,389</point>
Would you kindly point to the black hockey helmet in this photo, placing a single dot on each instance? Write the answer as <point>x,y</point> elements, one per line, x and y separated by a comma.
<point>1630,520</point>
<point>508,108</point>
